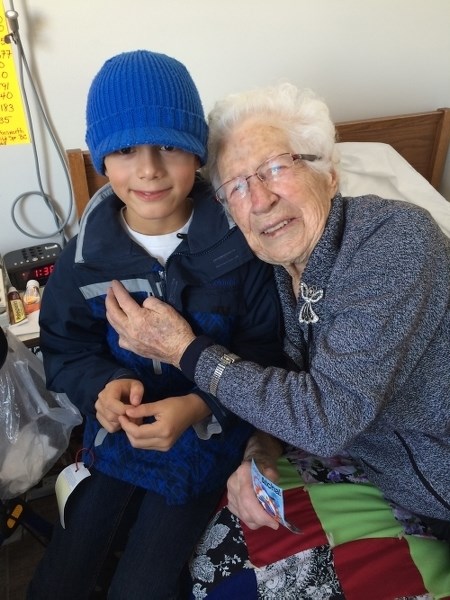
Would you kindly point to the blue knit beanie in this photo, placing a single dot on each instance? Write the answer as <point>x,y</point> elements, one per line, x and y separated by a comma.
<point>143,97</point>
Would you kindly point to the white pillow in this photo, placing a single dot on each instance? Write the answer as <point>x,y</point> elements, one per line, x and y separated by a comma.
<point>376,168</point>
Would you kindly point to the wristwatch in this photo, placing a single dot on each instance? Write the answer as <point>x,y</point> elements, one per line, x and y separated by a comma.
<point>225,360</point>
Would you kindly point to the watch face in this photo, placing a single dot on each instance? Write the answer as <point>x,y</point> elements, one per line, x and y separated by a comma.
<point>230,358</point>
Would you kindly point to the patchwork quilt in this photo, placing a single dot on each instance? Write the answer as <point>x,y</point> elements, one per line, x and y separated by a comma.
<point>353,544</point>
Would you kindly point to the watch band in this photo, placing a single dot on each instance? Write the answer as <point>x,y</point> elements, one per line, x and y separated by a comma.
<point>225,360</point>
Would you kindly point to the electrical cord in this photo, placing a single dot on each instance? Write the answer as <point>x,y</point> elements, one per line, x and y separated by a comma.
<point>61,224</point>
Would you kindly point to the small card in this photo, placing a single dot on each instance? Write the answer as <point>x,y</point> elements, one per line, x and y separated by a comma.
<point>270,496</point>
<point>66,482</point>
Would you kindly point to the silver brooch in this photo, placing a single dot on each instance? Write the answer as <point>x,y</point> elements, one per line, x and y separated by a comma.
<point>310,296</point>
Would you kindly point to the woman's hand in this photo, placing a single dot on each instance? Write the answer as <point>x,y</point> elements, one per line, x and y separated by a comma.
<point>242,500</point>
<point>154,330</point>
<point>172,417</point>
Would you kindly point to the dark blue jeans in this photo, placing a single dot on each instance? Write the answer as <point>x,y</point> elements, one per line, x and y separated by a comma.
<point>105,516</point>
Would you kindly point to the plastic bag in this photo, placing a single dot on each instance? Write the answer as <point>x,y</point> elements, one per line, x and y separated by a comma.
<point>35,424</point>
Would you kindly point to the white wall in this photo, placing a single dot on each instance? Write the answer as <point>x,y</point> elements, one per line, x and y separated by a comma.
<point>366,58</point>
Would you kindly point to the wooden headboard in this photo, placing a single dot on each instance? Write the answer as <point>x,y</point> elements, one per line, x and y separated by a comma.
<point>422,138</point>
<point>85,179</point>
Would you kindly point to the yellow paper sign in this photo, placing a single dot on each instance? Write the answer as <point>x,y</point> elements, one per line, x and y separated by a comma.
<point>13,123</point>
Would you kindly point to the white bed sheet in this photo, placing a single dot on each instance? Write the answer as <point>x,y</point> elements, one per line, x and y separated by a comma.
<point>376,168</point>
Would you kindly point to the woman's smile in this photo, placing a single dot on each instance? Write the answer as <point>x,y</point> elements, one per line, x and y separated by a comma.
<point>279,227</point>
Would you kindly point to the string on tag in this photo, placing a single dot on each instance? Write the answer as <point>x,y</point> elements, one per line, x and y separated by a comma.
<point>90,452</point>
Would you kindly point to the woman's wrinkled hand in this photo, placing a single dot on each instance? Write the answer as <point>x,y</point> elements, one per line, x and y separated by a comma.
<point>154,330</point>
<point>242,500</point>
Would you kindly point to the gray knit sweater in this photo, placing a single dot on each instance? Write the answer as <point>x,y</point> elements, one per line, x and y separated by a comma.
<point>372,353</point>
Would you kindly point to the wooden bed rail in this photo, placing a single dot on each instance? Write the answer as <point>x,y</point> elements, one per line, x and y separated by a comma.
<point>422,138</point>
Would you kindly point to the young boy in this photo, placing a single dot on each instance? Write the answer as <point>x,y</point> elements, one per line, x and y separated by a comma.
<point>157,229</point>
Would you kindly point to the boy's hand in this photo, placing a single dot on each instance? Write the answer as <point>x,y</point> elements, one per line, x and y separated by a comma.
<point>114,399</point>
<point>172,417</point>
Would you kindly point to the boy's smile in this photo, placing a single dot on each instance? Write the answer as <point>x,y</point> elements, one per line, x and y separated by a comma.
<point>154,183</point>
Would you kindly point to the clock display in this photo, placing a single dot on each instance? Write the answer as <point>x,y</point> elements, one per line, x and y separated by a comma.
<point>35,262</point>
<point>41,274</point>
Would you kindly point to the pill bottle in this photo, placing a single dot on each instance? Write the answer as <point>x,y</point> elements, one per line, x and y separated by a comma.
<point>16,307</point>
<point>32,297</point>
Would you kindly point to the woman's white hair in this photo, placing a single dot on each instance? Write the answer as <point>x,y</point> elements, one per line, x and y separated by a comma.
<point>299,112</point>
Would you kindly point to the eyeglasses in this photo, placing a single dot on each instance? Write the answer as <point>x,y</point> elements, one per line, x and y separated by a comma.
<point>270,172</point>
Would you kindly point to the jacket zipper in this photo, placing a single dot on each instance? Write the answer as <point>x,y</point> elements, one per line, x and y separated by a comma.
<point>162,294</point>
<point>419,473</point>
<point>162,275</point>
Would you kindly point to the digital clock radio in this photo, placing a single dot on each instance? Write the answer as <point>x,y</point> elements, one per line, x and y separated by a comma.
<point>35,262</point>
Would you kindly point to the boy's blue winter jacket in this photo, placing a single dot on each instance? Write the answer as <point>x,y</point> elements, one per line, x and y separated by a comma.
<point>212,278</point>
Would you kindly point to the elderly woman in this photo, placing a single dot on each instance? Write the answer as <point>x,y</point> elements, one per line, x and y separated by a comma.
<point>365,288</point>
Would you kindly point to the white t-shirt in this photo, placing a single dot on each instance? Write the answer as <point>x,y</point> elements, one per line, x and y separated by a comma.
<point>158,246</point>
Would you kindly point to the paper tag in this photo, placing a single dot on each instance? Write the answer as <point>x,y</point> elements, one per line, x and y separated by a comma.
<point>66,482</point>
<point>270,496</point>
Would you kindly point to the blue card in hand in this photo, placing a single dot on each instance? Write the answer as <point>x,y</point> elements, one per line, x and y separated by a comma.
<point>270,496</point>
